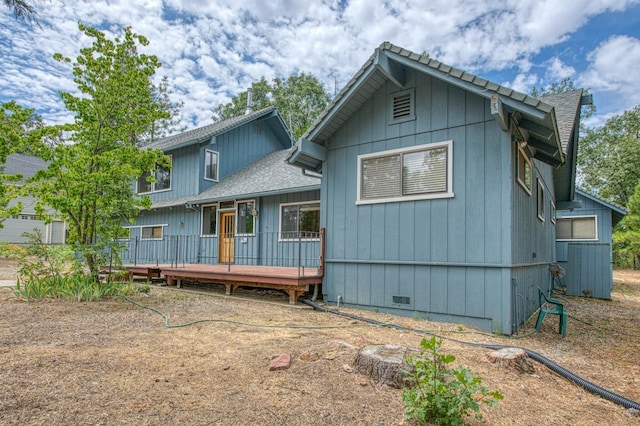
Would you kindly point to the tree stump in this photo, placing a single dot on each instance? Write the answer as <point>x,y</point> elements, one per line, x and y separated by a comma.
<point>384,363</point>
<point>512,358</point>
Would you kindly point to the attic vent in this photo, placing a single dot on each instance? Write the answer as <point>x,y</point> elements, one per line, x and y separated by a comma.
<point>402,108</point>
<point>402,300</point>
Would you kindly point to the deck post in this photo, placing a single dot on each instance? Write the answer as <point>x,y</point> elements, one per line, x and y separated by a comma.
<point>323,232</point>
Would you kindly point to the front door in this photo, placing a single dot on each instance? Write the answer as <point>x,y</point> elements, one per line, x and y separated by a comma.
<point>225,254</point>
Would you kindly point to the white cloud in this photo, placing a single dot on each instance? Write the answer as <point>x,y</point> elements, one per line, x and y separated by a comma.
<point>212,50</point>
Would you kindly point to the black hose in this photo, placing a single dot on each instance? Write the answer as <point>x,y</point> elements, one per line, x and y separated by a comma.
<point>595,389</point>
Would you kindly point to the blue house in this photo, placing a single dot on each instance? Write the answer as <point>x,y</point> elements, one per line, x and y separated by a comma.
<point>439,190</point>
<point>583,245</point>
<point>229,197</point>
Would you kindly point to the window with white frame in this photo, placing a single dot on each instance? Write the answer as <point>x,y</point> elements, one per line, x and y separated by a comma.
<point>211,165</point>
<point>209,219</point>
<point>245,217</point>
<point>524,170</point>
<point>402,106</point>
<point>576,228</point>
<point>152,232</point>
<point>540,187</point>
<point>419,172</point>
<point>162,181</point>
<point>124,234</point>
<point>300,220</point>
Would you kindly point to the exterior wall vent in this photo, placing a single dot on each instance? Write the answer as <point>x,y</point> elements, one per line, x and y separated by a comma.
<point>401,106</point>
<point>402,300</point>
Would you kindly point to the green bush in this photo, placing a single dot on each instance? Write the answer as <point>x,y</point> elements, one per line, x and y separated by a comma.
<point>439,395</point>
<point>52,272</point>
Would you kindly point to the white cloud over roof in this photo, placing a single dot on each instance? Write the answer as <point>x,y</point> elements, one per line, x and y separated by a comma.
<point>212,50</point>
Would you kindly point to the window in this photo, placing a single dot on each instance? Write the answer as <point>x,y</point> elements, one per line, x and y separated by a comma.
<point>402,107</point>
<point>209,219</point>
<point>540,199</point>
<point>152,232</point>
<point>162,183</point>
<point>300,220</point>
<point>524,171</point>
<point>420,172</point>
<point>246,215</point>
<point>124,234</point>
<point>211,165</point>
<point>576,228</point>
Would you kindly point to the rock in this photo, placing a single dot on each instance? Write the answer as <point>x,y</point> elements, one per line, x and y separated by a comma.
<point>309,356</point>
<point>632,412</point>
<point>347,368</point>
<point>281,362</point>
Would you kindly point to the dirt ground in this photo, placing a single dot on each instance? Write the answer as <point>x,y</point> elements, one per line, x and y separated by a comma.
<point>113,362</point>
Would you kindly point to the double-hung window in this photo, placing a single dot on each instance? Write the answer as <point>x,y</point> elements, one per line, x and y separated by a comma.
<point>300,220</point>
<point>211,165</point>
<point>415,173</point>
<point>162,181</point>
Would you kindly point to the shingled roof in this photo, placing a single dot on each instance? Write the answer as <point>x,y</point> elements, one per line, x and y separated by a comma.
<point>205,133</point>
<point>390,63</point>
<point>269,175</point>
<point>26,165</point>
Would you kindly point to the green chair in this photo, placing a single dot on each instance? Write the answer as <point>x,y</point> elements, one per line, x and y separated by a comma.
<point>558,309</point>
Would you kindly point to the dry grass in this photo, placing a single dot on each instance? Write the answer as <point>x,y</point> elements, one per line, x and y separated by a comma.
<point>115,363</point>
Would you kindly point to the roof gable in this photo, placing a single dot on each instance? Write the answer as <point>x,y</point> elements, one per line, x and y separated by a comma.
<point>389,63</point>
<point>617,211</point>
<point>203,134</point>
<point>25,165</point>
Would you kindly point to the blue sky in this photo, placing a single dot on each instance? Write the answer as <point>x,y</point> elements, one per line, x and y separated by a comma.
<point>211,50</point>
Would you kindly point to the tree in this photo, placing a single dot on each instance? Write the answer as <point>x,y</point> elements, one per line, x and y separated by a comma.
<point>89,180</point>
<point>609,155</point>
<point>22,10</point>
<point>16,131</point>
<point>164,127</point>
<point>626,239</point>
<point>299,99</point>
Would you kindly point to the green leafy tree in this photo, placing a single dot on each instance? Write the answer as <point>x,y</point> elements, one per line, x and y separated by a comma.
<point>299,99</point>
<point>609,155</point>
<point>626,239</point>
<point>89,180</point>
<point>165,126</point>
<point>17,126</point>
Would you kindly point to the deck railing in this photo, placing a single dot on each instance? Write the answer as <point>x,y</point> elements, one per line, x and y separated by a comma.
<point>292,249</point>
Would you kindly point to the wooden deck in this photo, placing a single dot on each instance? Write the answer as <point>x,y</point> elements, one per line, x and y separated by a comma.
<point>295,281</point>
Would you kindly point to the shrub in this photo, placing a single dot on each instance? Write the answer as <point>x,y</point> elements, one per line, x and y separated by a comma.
<point>440,395</point>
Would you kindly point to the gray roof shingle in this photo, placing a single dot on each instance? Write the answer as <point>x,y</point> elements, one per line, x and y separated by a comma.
<point>269,175</point>
<point>26,165</point>
<point>201,134</point>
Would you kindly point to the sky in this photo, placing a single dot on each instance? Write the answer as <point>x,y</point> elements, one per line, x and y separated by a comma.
<point>212,50</point>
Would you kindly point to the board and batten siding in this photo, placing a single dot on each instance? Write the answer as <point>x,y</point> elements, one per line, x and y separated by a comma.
<point>533,242</point>
<point>446,259</point>
<point>588,264</point>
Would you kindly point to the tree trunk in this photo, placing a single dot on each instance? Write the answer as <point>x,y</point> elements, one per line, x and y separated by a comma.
<point>384,363</point>
<point>512,358</point>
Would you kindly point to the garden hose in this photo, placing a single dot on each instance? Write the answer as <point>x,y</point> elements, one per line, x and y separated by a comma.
<point>595,389</point>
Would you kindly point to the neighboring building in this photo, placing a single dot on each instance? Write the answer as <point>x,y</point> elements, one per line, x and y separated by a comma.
<point>229,198</point>
<point>14,227</point>
<point>583,245</point>
<point>439,190</point>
